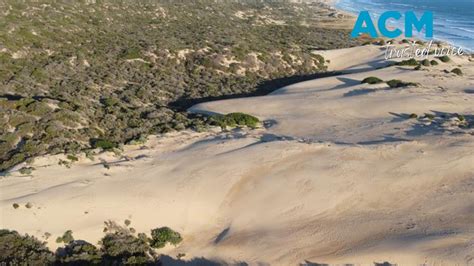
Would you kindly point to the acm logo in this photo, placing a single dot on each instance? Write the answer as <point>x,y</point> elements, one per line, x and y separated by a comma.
<point>365,25</point>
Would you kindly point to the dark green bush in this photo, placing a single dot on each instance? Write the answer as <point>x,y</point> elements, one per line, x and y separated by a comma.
<point>79,252</point>
<point>72,158</point>
<point>371,80</point>
<point>26,170</point>
<point>434,63</point>
<point>430,116</point>
<point>122,248</point>
<point>395,83</point>
<point>161,236</point>
<point>444,58</point>
<point>409,62</point>
<point>457,71</point>
<point>234,119</point>
<point>426,62</point>
<point>16,249</point>
<point>66,238</point>
<point>103,144</point>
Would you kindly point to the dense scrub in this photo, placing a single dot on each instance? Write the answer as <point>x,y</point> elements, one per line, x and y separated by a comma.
<point>77,75</point>
<point>119,246</point>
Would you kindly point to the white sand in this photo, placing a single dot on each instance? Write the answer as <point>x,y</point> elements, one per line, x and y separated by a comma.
<point>338,178</point>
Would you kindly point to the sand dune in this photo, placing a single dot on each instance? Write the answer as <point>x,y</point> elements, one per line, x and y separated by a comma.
<point>341,176</point>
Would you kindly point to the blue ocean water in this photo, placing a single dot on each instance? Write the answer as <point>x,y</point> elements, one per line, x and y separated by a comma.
<point>453,19</point>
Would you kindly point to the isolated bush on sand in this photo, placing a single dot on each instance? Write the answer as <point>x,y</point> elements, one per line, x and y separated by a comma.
<point>161,236</point>
<point>234,119</point>
<point>409,62</point>
<point>426,62</point>
<point>434,63</point>
<point>444,58</point>
<point>371,80</point>
<point>395,83</point>
<point>457,71</point>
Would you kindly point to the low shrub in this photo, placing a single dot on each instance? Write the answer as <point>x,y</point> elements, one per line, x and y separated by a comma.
<point>26,170</point>
<point>103,144</point>
<point>409,62</point>
<point>395,83</point>
<point>66,238</point>
<point>457,71</point>
<point>425,62</point>
<point>461,118</point>
<point>444,58</point>
<point>413,116</point>
<point>434,62</point>
<point>72,158</point>
<point>234,119</point>
<point>161,236</point>
<point>430,116</point>
<point>371,80</point>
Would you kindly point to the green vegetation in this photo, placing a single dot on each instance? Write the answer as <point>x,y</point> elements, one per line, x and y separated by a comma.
<point>425,62</point>
<point>78,253</point>
<point>119,246</point>
<point>444,58</point>
<point>66,238</point>
<point>429,116</point>
<point>16,205</point>
<point>434,63</point>
<point>103,144</point>
<point>461,118</point>
<point>125,248</point>
<point>72,158</point>
<point>408,62</point>
<point>371,80</point>
<point>457,71</point>
<point>413,116</point>
<point>395,83</point>
<point>23,250</point>
<point>26,170</point>
<point>233,120</point>
<point>73,71</point>
<point>161,236</point>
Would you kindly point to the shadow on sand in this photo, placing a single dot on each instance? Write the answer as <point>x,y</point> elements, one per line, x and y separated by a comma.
<point>263,88</point>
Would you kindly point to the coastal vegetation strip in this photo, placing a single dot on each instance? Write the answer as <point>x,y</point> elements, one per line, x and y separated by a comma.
<point>82,75</point>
